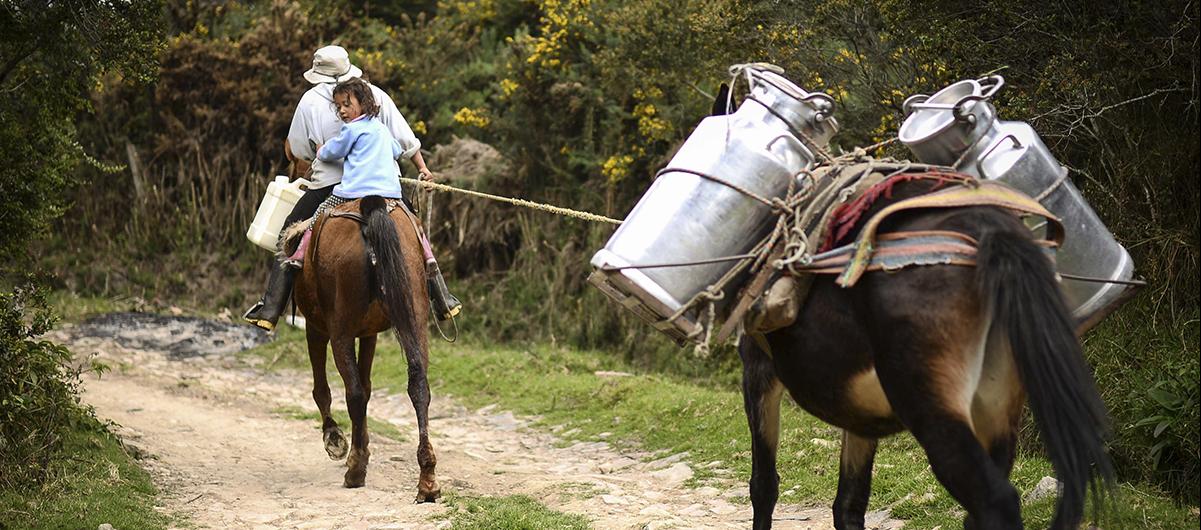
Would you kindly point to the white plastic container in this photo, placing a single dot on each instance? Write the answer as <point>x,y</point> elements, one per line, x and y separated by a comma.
<point>281,197</point>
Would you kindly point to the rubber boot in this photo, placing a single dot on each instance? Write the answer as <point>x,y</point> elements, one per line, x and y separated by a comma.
<point>266,312</point>
<point>445,304</point>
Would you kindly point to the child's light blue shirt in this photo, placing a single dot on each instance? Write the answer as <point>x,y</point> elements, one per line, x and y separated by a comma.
<point>370,152</point>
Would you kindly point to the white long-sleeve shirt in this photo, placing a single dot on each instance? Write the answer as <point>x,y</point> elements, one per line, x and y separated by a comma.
<point>316,122</point>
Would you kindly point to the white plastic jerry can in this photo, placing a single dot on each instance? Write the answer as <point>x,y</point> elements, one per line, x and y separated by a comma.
<point>281,197</point>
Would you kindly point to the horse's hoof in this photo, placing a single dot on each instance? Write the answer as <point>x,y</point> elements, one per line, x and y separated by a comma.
<point>355,479</point>
<point>335,444</point>
<point>429,496</point>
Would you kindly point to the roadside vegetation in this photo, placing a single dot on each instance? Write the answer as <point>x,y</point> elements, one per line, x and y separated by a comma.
<point>59,466</point>
<point>99,483</point>
<point>512,512</point>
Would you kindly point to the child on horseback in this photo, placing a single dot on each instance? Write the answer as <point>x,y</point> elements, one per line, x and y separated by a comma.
<point>368,151</point>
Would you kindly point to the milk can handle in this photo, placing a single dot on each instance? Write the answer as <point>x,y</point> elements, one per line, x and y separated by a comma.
<point>980,159</point>
<point>997,82</point>
<point>911,101</point>
<point>960,109</point>
<point>822,105</point>
<point>798,144</point>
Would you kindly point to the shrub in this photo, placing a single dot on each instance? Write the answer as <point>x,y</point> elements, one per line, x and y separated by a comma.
<point>39,404</point>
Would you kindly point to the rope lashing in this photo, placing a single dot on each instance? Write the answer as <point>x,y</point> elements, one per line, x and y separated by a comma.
<point>718,180</point>
<point>519,202</point>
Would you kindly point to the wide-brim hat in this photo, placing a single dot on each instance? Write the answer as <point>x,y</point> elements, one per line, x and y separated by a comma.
<point>331,64</point>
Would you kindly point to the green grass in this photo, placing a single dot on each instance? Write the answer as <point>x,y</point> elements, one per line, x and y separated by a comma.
<point>98,483</point>
<point>666,415</point>
<point>514,512</point>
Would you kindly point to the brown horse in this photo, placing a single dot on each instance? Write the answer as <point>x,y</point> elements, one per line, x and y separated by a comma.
<point>362,275</point>
<point>949,353</point>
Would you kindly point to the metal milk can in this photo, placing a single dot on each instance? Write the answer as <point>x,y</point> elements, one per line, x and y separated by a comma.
<point>685,217</point>
<point>958,126</point>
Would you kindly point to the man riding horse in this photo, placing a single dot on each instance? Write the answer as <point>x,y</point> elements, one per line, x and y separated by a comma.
<point>314,123</point>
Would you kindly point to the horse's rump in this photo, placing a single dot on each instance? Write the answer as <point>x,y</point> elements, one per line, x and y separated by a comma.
<point>364,251</point>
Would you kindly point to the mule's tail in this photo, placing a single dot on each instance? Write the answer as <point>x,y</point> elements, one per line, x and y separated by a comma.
<point>390,274</point>
<point>1027,304</point>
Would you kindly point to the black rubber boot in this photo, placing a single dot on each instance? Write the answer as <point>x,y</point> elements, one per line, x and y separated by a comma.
<point>445,304</point>
<point>266,312</point>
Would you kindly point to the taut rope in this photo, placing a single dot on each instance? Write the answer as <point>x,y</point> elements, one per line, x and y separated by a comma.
<point>519,202</point>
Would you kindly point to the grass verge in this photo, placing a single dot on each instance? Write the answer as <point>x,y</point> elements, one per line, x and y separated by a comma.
<point>513,512</point>
<point>667,415</point>
<point>98,483</point>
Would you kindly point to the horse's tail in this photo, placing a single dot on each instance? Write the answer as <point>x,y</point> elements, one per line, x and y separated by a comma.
<point>391,275</point>
<point>1028,306</point>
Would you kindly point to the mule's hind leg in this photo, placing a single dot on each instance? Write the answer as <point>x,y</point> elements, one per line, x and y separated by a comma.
<point>854,481</point>
<point>959,462</point>
<point>335,442</point>
<point>761,392</point>
<point>930,351</point>
<point>997,408</point>
<point>356,405</point>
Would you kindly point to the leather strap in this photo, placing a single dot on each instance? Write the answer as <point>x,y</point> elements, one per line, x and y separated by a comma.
<point>984,193</point>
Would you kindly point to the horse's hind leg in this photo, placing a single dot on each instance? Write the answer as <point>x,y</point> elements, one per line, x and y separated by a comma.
<point>761,392</point>
<point>854,481</point>
<point>335,442</point>
<point>356,405</point>
<point>361,439</point>
<point>419,393</point>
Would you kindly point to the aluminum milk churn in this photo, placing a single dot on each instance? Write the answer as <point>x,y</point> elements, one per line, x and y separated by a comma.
<point>685,217</point>
<point>958,126</point>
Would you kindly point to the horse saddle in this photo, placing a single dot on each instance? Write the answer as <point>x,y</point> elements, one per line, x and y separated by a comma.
<point>348,210</point>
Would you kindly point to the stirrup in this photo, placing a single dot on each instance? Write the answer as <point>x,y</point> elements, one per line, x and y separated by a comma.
<point>261,323</point>
<point>451,313</point>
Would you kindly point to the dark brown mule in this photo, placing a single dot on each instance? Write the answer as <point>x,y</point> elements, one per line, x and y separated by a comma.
<point>949,353</point>
<point>360,279</point>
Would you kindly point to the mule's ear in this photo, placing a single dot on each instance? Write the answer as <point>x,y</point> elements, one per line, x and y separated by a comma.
<point>719,102</point>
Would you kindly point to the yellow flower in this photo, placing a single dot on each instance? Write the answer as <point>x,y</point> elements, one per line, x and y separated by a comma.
<point>616,168</point>
<point>419,127</point>
<point>508,86</point>
<point>472,118</point>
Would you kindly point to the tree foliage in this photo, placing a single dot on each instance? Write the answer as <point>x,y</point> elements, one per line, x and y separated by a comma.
<point>52,55</point>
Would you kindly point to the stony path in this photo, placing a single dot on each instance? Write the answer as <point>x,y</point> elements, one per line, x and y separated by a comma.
<point>207,426</point>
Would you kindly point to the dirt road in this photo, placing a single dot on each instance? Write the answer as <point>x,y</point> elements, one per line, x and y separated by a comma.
<point>210,430</point>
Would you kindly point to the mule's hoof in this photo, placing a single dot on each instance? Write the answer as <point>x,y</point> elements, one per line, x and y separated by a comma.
<point>335,445</point>
<point>428,496</point>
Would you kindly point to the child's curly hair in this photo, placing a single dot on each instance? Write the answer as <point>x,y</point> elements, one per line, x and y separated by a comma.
<point>360,90</point>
